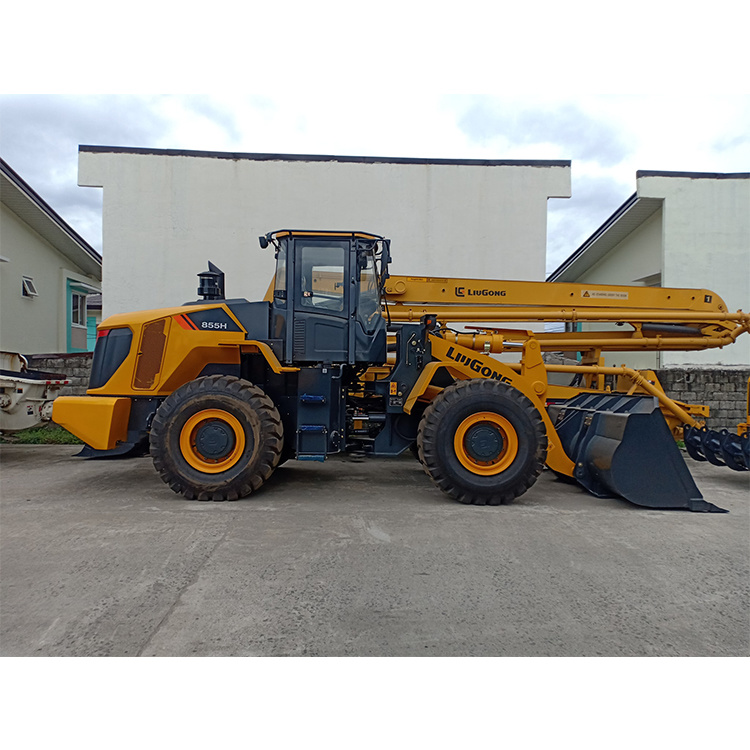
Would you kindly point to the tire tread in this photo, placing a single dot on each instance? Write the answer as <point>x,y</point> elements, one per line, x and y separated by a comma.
<point>271,432</point>
<point>430,435</point>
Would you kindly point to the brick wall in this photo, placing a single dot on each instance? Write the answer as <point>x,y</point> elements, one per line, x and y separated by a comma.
<point>76,368</point>
<point>723,390</point>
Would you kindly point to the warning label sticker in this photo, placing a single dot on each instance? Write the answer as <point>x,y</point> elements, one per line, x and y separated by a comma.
<point>601,294</point>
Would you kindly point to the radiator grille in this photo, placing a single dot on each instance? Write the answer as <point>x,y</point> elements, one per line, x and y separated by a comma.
<point>299,339</point>
<point>150,355</point>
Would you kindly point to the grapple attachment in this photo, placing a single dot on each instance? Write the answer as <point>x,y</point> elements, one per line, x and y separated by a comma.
<point>721,448</point>
<point>622,446</point>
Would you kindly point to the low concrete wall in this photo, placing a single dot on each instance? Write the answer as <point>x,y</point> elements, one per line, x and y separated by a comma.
<point>724,390</point>
<point>75,367</point>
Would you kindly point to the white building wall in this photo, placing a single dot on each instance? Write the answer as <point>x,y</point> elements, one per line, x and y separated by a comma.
<point>33,325</point>
<point>706,231</point>
<point>636,258</point>
<point>166,215</point>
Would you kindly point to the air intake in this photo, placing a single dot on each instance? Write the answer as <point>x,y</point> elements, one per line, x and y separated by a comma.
<point>211,283</point>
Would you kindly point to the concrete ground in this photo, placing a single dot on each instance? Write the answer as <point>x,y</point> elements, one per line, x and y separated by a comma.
<point>359,558</point>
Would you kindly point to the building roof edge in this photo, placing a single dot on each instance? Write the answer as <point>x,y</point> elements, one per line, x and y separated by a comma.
<point>695,175</point>
<point>576,254</point>
<point>322,157</point>
<point>47,210</point>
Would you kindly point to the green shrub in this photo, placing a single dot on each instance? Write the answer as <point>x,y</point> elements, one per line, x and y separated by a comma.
<point>42,434</point>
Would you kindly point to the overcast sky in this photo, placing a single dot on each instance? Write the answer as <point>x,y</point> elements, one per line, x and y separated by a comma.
<point>607,138</point>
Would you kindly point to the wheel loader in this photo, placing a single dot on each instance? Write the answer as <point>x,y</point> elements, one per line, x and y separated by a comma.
<point>342,357</point>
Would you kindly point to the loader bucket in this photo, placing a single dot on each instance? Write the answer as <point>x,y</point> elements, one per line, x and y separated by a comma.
<point>622,446</point>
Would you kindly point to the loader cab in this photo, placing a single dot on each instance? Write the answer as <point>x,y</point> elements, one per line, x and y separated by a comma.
<point>327,296</point>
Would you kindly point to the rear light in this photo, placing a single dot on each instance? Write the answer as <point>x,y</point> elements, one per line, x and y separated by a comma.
<point>112,347</point>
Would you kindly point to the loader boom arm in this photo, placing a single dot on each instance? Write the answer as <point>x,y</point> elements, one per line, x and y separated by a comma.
<point>541,294</point>
<point>660,318</point>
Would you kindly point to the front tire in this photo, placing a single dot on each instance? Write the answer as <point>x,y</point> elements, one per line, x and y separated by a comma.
<point>482,442</point>
<point>216,438</point>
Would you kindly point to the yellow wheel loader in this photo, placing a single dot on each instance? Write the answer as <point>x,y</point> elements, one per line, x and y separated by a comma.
<point>341,357</point>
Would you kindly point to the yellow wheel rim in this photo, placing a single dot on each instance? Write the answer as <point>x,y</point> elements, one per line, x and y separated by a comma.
<point>212,441</point>
<point>486,443</point>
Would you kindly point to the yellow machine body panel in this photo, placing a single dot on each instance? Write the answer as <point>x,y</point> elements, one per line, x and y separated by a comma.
<point>168,350</point>
<point>101,422</point>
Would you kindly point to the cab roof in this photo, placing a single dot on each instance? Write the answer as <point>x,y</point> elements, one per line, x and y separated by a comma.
<point>279,233</point>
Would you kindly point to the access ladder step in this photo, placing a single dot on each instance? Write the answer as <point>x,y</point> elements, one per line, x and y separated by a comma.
<point>311,398</point>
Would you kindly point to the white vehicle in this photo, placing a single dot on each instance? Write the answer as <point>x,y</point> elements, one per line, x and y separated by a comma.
<point>26,395</point>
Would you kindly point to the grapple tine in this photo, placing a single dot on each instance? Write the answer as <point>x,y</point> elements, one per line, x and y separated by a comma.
<point>711,444</point>
<point>693,437</point>
<point>735,450</point>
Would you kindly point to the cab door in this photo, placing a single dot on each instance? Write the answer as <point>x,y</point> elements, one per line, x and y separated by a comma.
<point>322,300</point>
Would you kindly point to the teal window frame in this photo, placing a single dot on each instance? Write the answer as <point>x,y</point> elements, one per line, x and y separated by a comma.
<point>75,288</point>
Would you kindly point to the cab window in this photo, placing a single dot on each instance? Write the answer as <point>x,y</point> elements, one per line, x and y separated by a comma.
<point>322,277</point>
<point>280,281</point>
<point>368,310</point>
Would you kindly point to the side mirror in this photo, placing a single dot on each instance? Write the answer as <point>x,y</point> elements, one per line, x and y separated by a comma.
<point>263,242</point>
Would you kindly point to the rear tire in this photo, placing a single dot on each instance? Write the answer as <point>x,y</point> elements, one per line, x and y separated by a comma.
<point>482,442</point>
<point>216,438</point>
<point>414,450</point>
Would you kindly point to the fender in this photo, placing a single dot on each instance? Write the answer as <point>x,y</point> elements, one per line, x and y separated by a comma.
<point>260,347</point>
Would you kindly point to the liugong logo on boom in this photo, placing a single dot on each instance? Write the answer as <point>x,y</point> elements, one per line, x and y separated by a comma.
<point>476,365</point>
<point>462,291</point>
